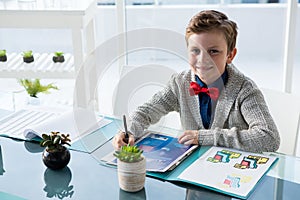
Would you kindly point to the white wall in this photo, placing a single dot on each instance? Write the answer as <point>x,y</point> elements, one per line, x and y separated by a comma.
<point>260,41</point>
<point>261,28</point>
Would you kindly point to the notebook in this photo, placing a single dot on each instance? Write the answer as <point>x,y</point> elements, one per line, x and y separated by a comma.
<point>30,124</point>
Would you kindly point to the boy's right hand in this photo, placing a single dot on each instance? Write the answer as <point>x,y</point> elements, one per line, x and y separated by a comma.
<point>119,140</point>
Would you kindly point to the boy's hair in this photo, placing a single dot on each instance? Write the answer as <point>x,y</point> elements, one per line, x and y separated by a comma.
<point>209,20</point>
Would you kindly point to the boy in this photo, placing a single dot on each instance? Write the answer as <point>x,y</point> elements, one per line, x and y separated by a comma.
<point>217,104</point>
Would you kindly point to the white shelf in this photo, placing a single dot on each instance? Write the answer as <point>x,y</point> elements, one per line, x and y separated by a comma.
<point>42,67</point>
<point>76,15</point>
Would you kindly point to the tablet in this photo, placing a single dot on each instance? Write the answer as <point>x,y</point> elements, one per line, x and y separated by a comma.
<point>162,151</point>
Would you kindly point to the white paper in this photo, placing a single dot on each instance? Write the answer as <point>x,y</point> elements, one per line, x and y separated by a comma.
<point>27,124</point>
<point>77,123</point>
<point>226,176</point>
<point>14,124</point>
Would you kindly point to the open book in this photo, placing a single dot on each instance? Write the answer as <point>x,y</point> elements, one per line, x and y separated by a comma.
<point>31,124</point>
<point>162,152</point>
<point>229,171</point>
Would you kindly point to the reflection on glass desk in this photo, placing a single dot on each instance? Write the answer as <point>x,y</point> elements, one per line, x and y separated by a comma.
<point>24,176</point>
<point>57,183</point>
<point>269,188</point>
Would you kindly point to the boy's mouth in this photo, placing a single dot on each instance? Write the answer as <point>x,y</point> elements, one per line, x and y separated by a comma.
<point>203,68</point>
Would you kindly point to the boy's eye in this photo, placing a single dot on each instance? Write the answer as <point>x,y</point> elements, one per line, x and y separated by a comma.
<point>213,52</point>
<point>195,51</point>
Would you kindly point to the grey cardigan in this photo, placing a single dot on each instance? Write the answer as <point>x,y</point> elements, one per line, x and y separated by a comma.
<point>242,119</point>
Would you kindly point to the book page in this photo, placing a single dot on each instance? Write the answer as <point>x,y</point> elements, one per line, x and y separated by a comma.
<point>77,123</point>
<point>227,170</point>
<point>14,124</point>
<point>29,123</point>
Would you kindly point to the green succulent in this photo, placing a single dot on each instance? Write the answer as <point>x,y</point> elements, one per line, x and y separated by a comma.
<point>33,87</point>
<point>27,54</point>
<point>2,52</point>
<point>58,53</point>
<point>128,153</point>
<point>55,141</point>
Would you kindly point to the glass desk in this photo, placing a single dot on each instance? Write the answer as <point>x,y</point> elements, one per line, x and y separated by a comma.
<point>24,176</point>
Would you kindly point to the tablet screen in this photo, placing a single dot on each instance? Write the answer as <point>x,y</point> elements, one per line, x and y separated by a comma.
<point>162,151</point>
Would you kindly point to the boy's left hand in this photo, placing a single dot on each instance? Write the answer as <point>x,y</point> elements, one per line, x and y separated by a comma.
<point>189,137</point>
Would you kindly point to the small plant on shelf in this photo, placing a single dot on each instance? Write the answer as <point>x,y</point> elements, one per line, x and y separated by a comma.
<point>28,56</point>
<point>56,155</point>
<point>131,168</point>
<point>34,86</point>
<point>58,57</point>
<point>3,57</point>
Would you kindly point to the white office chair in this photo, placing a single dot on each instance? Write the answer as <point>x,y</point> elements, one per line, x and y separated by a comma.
<point>285,110</point>
<point>137,85</point>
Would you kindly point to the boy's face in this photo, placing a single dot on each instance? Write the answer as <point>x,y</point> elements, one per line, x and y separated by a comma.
<point>207,53</point>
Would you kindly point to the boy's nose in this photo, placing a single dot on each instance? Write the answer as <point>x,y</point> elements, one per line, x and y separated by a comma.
<point>203,58</point>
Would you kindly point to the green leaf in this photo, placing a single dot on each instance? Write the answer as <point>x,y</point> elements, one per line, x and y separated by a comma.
<point>45,137</point>
<point>58,53</point>
<point>46,143</point>
<point>129,153</point>
<point>2,52</point>
<point>33,86</point>
<point>57,139</point>
<point>27,54</point>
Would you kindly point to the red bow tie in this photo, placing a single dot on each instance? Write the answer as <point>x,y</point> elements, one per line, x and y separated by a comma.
<point>195,89</point>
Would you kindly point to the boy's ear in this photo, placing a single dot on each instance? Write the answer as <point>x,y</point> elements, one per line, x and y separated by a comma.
<point>231,56</point>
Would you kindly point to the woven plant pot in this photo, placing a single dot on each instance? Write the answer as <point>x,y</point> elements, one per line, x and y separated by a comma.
<point>132,175</point>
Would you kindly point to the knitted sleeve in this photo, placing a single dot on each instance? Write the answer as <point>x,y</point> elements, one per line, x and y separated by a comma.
<point>249,126</point>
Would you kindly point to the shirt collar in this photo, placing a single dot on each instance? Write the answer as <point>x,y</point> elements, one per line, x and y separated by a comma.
<point>219,83</point>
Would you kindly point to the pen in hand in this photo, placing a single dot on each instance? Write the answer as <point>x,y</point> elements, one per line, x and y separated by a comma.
<point>126,131</point>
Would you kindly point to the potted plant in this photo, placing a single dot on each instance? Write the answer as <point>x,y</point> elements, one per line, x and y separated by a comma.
<point>131,168</point>
<point>27,56</point>
<point>3,57</point>
<point>34,86</point>
<point>58,57</point>
<point>55,155</point>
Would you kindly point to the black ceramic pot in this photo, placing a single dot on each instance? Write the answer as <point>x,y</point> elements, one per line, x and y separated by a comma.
<point>58,59</point>
<point>3,58</point>
<point>56,159</point>
<point>28,59</point>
